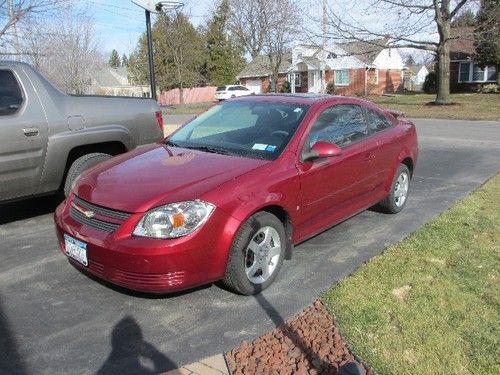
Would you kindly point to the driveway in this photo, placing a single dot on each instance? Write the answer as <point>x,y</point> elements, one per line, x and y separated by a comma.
<point>54,319</point>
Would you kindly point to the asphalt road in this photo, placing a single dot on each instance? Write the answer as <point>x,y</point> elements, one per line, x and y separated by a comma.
<point>54,319</point>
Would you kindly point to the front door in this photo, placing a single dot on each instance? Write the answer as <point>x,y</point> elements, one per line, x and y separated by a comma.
<point>23,137</point>
<point>313,81</point>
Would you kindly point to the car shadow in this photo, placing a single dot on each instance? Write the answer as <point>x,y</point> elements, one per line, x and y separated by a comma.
<point>131,354</point>
<point>11,361</point>
<point>29,208</point>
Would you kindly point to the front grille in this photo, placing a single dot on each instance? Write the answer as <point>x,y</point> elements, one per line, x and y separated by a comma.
<point>101,210</point>
<point>92,222</point>
<point>170,279</point>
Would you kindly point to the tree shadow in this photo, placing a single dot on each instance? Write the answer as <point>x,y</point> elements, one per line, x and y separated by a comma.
<point>323,366</point>
<point>130,354</point>
<point>29,208</point>
<point>11,361</point>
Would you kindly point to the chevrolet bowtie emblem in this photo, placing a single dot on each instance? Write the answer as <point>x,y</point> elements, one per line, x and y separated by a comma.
<point>88,214</point>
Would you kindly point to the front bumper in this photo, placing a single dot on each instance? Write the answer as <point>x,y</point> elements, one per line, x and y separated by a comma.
<point>151,265</point>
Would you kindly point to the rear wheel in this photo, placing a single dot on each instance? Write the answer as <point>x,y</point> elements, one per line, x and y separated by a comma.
<point>398,195</point>
<point>80,165</point>
<point>256,254</point>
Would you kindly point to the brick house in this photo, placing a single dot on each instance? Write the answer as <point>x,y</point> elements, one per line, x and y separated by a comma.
<point>356,68</point>
<point>465,75</point>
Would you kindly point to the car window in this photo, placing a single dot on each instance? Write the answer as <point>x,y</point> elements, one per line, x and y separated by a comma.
<point>233,88</point>
<point>340,124</point>
<point>255,129</point>
<point>377,121</point>
<point>11,96</point>
<point>242,88</point>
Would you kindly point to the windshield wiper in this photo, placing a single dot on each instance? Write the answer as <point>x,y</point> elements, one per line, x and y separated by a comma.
<point>170,143</point>
<point>211,149</point>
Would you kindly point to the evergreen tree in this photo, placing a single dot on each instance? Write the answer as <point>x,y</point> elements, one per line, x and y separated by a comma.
<point>224,56</point>
<point>114,59</point>
<point>487,35</point>
<point>465,19</point>
<point>125,60</point>
<point>178,54</point>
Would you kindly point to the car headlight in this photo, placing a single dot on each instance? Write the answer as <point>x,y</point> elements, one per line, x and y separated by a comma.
<point>174,220</point>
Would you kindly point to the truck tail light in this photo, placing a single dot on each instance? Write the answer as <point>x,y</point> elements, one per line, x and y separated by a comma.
<point>159,119</point>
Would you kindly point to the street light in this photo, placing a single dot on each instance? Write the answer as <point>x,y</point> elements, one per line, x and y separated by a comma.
<point>152,6</point>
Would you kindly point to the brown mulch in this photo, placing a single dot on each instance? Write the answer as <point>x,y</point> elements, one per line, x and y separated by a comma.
<point>309,344</point>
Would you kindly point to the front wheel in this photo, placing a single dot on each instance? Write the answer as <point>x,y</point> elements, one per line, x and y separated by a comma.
<point>398,195</point>
<point>256,254</point>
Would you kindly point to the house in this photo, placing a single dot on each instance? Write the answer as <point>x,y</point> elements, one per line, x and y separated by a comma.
<point>356,68</point>
<point>115,82</point>
<point>414,77</point>
<point>465,75</point>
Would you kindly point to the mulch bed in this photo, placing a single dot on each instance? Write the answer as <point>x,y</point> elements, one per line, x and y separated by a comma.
<point>309,344</point>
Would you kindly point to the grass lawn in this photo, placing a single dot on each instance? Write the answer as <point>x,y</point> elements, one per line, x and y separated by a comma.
<point>472,106</point>
<point>430,304</point>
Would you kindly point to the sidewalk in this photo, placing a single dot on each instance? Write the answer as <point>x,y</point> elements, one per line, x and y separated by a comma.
<point>215,365</point>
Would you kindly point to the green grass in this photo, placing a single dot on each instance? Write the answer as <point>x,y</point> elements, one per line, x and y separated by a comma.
<point>472,106</point>
<point>187,109</point>
<point>430,304</point>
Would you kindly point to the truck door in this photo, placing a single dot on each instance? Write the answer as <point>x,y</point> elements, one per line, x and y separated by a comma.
<point>23,135</point>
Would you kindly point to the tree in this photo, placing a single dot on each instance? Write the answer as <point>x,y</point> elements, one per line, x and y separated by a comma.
<point>487,35</point>
<point>178,54</point>
<point>125,60</point>
<point>406,22</point>
<point>65,49</point>
<point>114,59</point>
<point>224,56</point>
<point>410,61</point>
<point>16,15</point>
<point>466,18</point>
<point>266,27</point>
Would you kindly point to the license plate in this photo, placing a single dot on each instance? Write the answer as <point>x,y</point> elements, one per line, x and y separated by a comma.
<point>76,249</point>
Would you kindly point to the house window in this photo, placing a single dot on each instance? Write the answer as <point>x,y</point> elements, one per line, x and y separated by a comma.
<point>464,72</point>
<point>297,80</point>
<point>469,72</point>
<point>342,77</point>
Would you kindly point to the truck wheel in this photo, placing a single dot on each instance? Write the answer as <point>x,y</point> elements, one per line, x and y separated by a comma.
<point>80,165</point>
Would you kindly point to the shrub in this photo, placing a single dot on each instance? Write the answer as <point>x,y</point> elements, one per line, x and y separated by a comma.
<point>286,87</point>
<point>489,88</point>
<point>330,88</point>
<point>430,83</point>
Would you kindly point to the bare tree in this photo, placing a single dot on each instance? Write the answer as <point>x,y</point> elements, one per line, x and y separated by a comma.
<point>247,26</point>
<point>14,15</point>
<point>406,24</point>
<point>65,50</point>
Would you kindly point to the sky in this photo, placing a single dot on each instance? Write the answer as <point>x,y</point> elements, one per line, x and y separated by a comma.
<point>119,23</point>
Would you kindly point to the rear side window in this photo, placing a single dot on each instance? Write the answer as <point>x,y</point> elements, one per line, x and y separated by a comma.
<point>221,88</point>
<point>340,124</point>
<point>233,88</point>
<point>11,96</point>
<point>377,121</point>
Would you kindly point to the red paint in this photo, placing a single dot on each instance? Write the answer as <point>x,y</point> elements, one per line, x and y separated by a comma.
<point>316,194</point>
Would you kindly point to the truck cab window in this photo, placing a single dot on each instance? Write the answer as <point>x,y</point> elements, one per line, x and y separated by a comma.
<point>11,96</point>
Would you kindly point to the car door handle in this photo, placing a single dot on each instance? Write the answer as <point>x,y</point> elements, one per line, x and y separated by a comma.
<point>30,132</point>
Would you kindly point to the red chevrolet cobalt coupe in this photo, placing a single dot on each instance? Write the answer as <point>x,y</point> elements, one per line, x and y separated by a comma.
<point>228,194</point>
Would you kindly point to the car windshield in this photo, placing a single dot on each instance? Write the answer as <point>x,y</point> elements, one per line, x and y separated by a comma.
<point>250,129</point>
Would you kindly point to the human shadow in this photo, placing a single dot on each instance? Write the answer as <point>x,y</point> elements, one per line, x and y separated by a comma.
<point>130,354</point>
<point>323,367</point>
<point>11,361</point>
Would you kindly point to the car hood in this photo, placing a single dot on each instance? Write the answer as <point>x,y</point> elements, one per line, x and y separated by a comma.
<point>154,175</point>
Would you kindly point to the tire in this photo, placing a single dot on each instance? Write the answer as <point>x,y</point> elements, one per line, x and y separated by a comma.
<point>244,272</point>
<point>397,198</point>
<point>80,165</point>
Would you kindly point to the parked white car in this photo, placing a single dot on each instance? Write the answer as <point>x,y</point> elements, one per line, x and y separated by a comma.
<point>231,91</point>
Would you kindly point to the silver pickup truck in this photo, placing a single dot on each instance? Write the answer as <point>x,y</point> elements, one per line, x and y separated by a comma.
<point>48,138</point>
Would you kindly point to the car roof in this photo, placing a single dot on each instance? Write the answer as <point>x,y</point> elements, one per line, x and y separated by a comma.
<point>298,98</point>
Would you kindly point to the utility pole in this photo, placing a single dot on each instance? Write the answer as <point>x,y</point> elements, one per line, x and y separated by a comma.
<point>152,78</point>
<point>12,16</point>
<point>325,54</point>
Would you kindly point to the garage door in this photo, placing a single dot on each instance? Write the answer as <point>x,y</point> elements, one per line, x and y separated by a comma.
<point>253,85</point>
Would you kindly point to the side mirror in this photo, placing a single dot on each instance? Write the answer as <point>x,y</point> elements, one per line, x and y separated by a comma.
<point>322,149</point>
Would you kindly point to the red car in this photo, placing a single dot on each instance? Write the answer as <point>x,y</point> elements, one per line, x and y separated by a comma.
<point>227,195</point>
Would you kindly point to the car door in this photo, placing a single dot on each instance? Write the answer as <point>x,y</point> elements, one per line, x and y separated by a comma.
<point>23,136</point>
<point>336,187</point>
<point>385,135</point>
